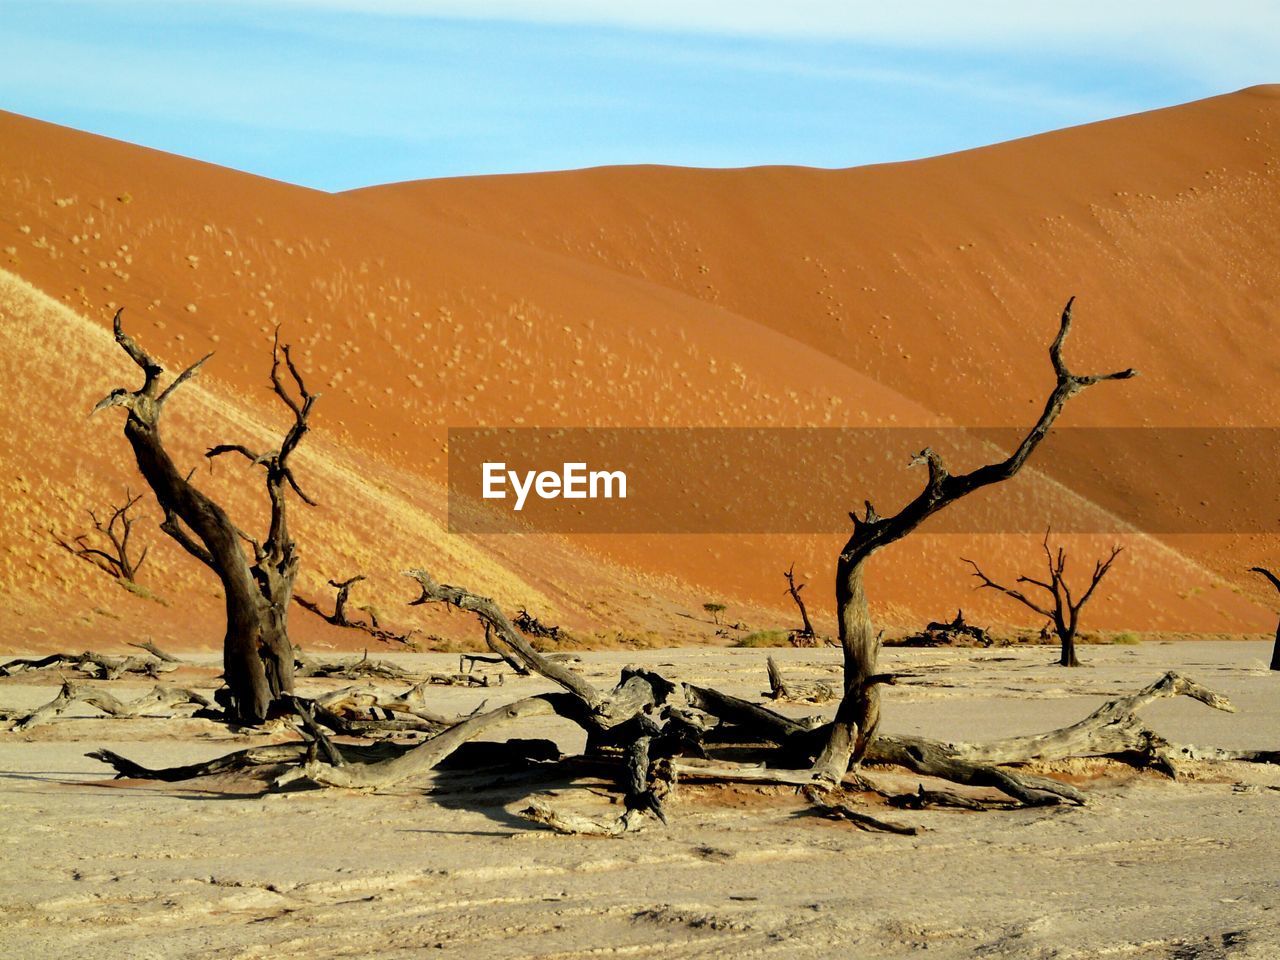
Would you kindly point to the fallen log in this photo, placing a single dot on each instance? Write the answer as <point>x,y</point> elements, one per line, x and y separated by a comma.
<point>161,698</point>
<point>816,691</point>
<point>96,665</point>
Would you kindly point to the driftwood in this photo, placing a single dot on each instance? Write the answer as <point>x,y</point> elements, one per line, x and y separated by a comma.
<point>1064,613</point>
<point>159,702</point>
<point>96,665</point>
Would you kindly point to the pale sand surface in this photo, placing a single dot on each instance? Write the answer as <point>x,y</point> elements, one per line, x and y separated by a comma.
<point>1150,868</point>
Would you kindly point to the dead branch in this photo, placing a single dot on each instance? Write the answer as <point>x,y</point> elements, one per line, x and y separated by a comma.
<point>426,756</point>
<point>149,646</point>
<point>339,616</point>
<point>834,804</point>
<point>1064,612</point>
<point>527,623</point>
<point>503,636</point>
<point>363,668</point>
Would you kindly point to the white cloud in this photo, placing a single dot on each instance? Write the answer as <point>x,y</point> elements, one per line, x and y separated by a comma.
<point>1235,41</point>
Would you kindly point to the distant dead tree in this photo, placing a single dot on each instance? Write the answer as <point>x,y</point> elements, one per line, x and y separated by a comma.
<point>115,556</point>
<point>530,625</point>
<point>339,616</point>
<point>858,715</point>
<point>1064,614</point>
<point>805,636</point>
<point>257,577</point>
<point>1275,582</point>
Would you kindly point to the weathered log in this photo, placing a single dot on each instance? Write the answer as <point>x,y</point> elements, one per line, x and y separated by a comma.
<point>539,812</point>
<point>424,757</point>
<point>155,651</point>
<point>97,665</point>
<point>816,691</point>
<point>160,698</point>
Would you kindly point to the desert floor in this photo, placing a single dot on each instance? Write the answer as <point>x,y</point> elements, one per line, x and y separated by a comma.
<point>1149,868</point>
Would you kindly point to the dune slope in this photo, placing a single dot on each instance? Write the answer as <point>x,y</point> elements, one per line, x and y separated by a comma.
<point>911,294</point>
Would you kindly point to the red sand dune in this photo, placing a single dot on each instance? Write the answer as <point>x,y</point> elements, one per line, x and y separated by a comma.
<point>909,294</point>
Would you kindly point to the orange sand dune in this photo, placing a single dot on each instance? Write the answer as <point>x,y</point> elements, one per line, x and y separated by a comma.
<point>910,294</point>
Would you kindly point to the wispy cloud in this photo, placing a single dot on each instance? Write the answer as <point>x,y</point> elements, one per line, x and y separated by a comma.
<point>1237,38</point>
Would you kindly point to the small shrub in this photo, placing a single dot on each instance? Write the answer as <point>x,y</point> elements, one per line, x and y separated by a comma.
<point>765,638</point>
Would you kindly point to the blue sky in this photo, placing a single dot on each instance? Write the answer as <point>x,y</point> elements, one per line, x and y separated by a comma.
<point>335,94</point>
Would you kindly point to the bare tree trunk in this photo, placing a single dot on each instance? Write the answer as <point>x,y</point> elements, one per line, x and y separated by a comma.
<point>1068,658</point>
<point>1275,582</point>
<point>257,654</point>
<point>858,715</point>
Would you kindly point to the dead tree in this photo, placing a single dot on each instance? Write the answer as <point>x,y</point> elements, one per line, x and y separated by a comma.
<point>1275,582</point>
<point>115,557</point>
<point>805,636</point>
<point>529,624</point>
<point>859,713</point>
<point>257,584</point>
<point>339,616</point>
<point>1065,610</point>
